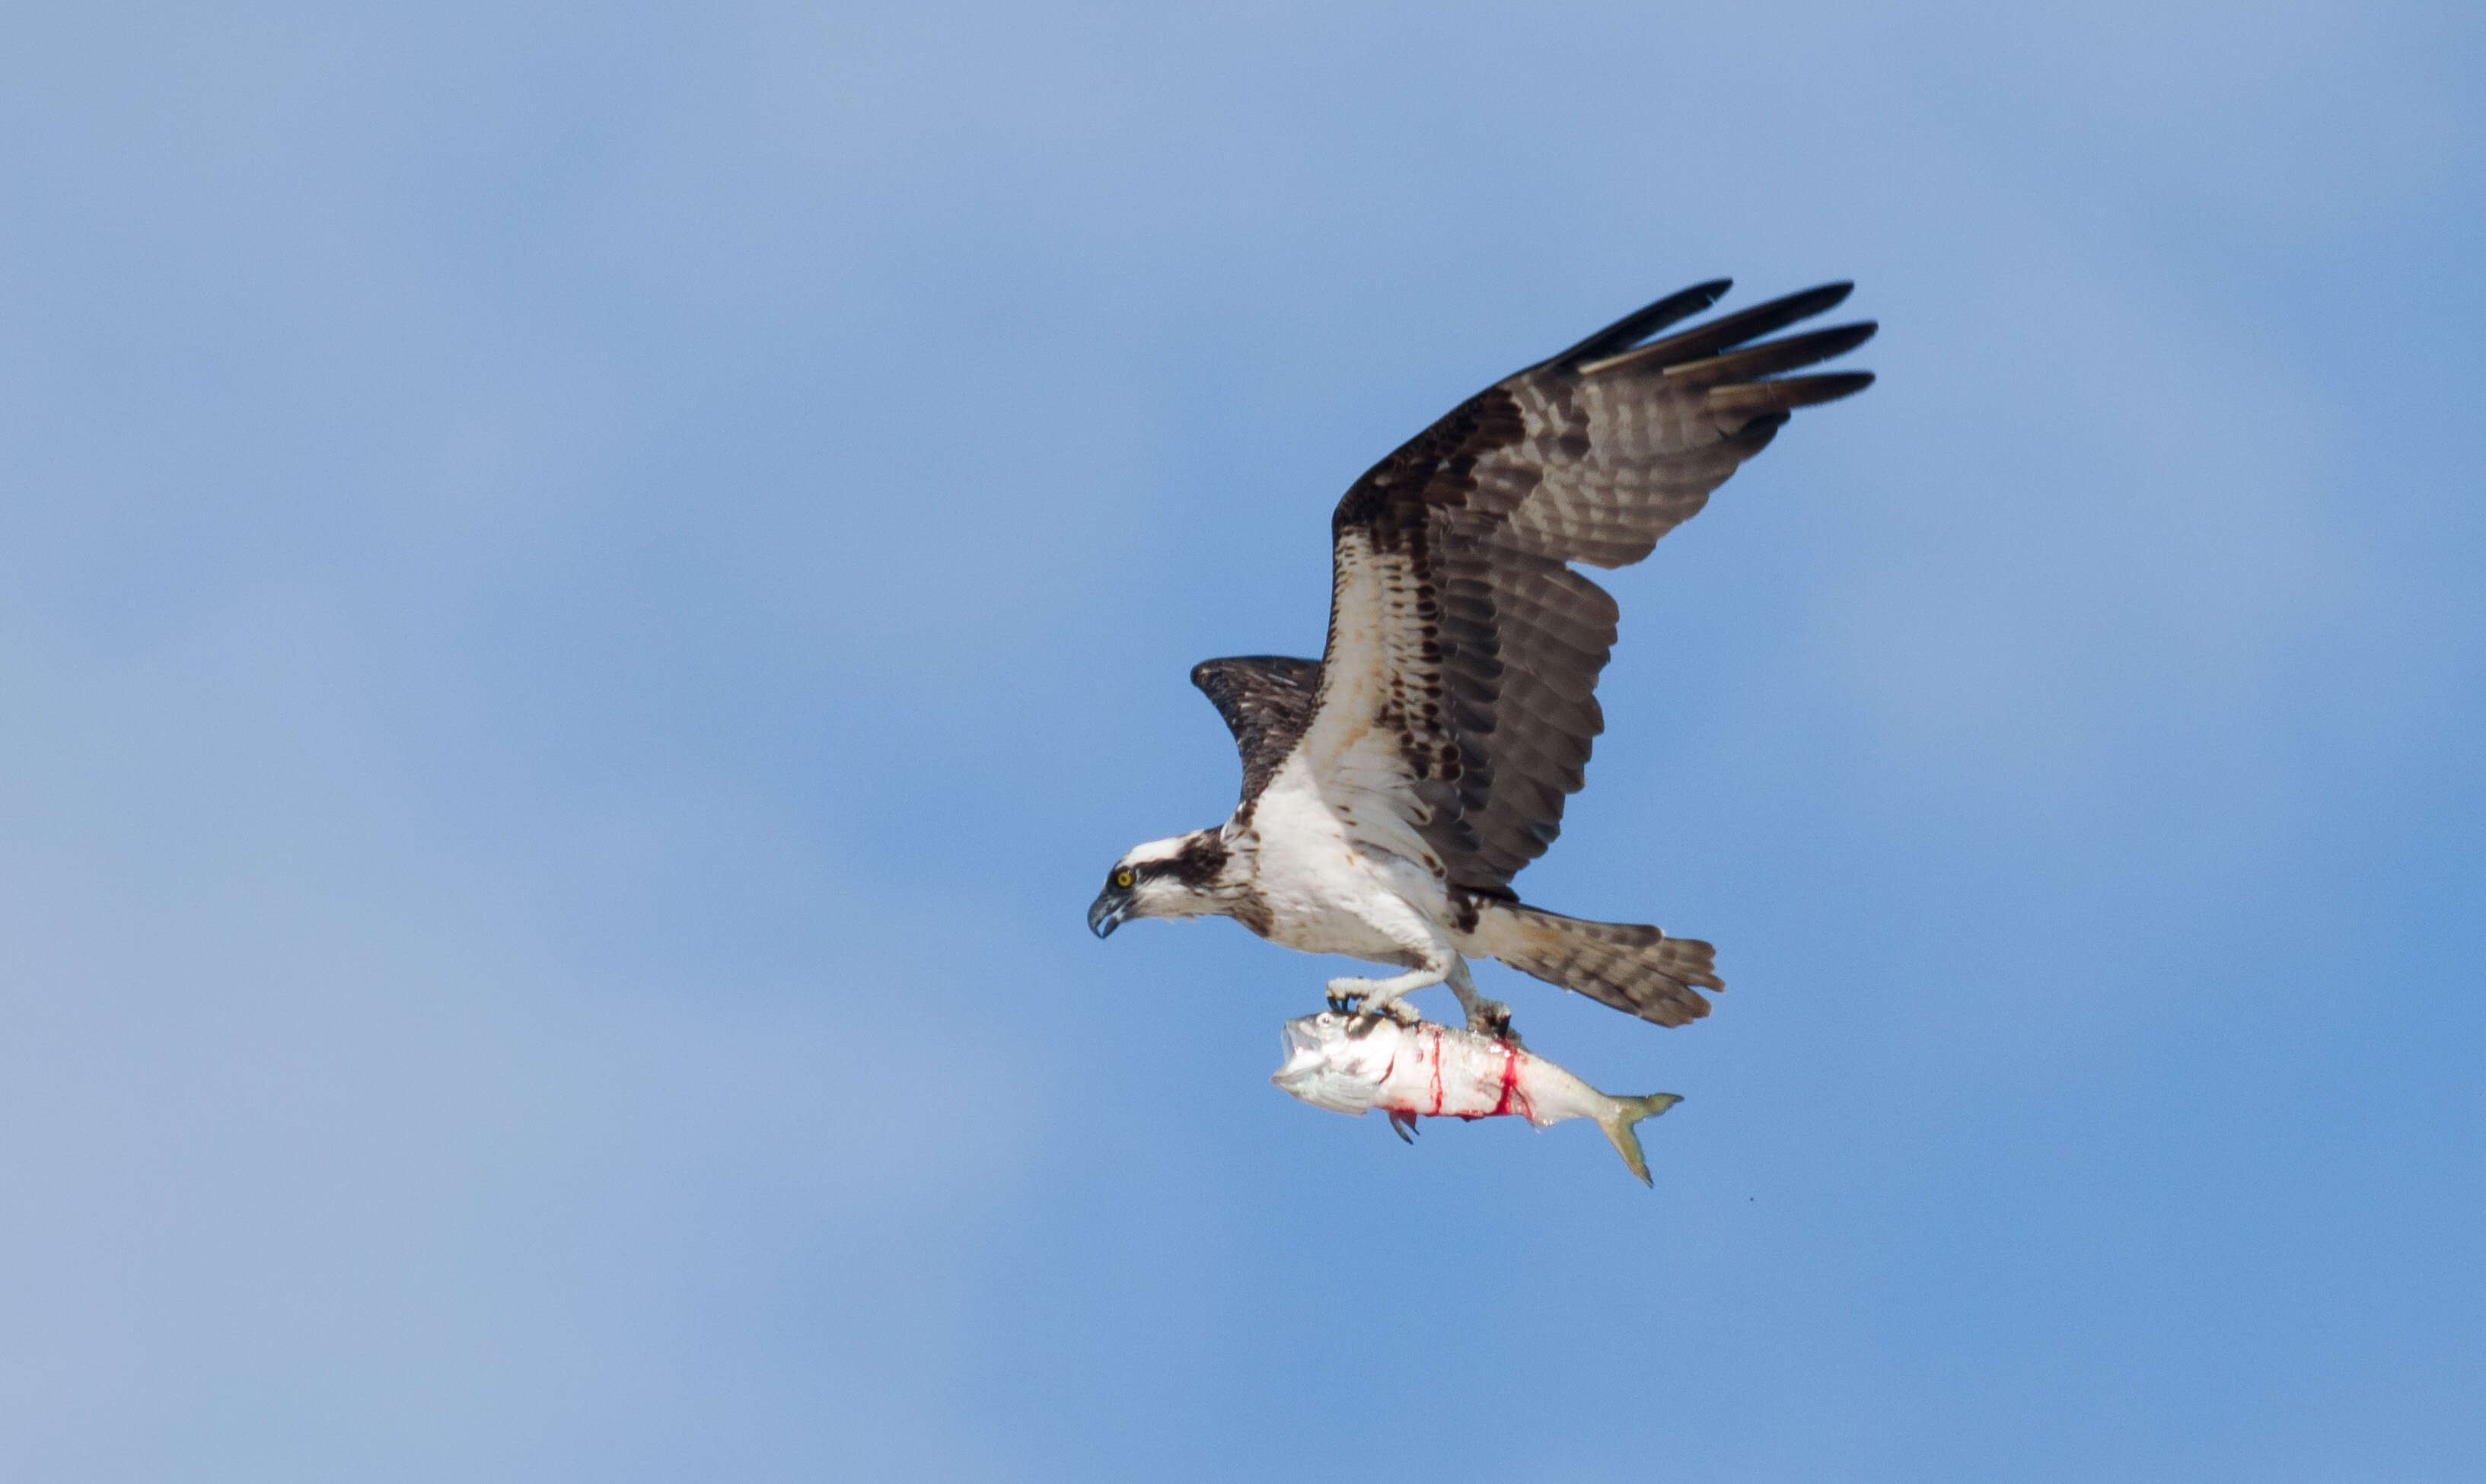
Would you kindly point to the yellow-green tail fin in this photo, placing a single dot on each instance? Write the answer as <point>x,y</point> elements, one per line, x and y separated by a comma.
<point>1617,1122</point>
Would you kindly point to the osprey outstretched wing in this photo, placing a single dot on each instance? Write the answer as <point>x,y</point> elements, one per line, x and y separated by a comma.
<point>1267,701</point>
<point>1392,790</point>
<point>1457,697</point>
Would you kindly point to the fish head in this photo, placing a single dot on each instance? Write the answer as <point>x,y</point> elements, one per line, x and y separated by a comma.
<point>1337,1060</point>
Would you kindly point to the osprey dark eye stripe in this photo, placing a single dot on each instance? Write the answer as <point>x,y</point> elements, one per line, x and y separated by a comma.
<point>1392,789</point>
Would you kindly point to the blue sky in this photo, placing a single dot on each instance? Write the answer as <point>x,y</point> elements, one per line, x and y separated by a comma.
<point>586,593</point>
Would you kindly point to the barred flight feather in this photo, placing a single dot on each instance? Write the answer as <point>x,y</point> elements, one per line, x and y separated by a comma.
<point>1457,696</point>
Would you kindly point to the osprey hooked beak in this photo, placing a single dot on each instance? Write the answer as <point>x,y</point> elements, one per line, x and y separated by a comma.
<point>1111,905</point>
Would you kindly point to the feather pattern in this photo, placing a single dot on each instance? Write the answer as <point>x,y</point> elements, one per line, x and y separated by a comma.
<point>1455,706</point>
<point>1267,701</point>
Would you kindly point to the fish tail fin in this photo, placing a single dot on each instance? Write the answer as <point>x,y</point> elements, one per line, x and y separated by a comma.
<point>1617,1120</point>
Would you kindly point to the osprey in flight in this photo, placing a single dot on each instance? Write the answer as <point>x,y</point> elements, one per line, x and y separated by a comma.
<point>1392,790</point>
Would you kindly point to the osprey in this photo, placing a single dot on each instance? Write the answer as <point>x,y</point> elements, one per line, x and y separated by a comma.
<point>1392,789</point>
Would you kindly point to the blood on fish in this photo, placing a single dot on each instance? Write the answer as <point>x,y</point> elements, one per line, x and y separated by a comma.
<point>1325,1066</point>
<point>1509,1079</point>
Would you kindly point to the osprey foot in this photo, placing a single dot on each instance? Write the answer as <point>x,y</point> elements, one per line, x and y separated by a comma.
<point>1492,1017</point>
<point>1354,997</point>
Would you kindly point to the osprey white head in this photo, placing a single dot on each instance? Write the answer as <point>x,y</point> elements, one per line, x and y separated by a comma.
<point>1177,877</point>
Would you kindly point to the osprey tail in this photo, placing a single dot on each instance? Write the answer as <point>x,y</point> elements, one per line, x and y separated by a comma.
<point>1632,966</point>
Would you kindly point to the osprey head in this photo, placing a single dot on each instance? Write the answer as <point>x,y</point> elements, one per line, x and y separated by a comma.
<point>1164,878</point>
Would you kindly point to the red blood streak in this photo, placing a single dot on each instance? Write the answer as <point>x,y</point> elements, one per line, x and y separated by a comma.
<point>1509,1079</point>
<point>1436,1039</point>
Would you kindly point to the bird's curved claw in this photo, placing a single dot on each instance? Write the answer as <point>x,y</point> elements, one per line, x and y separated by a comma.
<point>1403,1125</point>
<point>1492,1017</point>
<point>1360,1003</point>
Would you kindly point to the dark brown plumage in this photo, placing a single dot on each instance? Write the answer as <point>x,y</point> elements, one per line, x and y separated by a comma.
<point>1465,535</point>
<point>1451,716</point>
<point>1267,701</point>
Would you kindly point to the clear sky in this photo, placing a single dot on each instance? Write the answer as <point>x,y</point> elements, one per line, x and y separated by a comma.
<point>586,593</point>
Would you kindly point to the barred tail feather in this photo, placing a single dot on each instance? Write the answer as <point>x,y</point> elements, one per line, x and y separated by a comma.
<point>1630,966</point>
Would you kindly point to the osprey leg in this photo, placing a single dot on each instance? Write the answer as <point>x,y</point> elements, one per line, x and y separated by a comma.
<point>1486,1017</point>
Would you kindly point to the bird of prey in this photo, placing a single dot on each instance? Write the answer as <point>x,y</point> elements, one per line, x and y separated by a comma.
<point>1392,789</point>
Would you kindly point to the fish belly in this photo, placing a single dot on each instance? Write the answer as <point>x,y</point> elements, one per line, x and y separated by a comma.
<point>1441,1074</point>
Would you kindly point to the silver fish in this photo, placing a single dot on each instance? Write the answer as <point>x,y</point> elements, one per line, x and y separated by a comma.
<point>1355,1063</point>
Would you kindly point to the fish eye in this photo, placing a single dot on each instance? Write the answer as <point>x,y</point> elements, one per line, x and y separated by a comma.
<point>1123,878</point>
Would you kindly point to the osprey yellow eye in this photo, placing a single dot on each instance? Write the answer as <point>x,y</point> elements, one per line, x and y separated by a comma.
<point>1123,878</point>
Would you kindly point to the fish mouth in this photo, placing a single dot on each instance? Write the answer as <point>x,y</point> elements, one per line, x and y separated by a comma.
<point>1305,1044</point>
<point>1311,1071</point>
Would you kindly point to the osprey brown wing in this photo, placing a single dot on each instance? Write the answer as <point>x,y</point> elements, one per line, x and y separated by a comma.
<point>1464,650</point>
<point>1267,701</point>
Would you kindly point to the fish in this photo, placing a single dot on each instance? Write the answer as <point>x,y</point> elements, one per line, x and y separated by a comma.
<point>1353,1063</point>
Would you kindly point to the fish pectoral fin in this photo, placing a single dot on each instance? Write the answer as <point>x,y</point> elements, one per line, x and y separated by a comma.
<point>1402,1124</point>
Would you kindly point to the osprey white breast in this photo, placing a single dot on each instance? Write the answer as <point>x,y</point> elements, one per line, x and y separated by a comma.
<point>1392,789</point>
